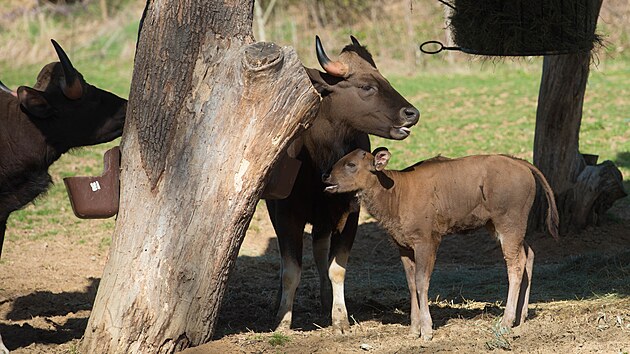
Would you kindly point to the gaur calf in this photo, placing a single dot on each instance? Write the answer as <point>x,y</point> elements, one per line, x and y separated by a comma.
<point>422,203</point>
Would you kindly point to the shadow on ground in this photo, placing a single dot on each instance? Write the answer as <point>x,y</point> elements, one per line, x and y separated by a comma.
<point>469,267</point>
<point>19,336</point>
<point>45,306</point>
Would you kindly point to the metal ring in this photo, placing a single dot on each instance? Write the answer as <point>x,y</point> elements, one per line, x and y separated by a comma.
<point>441,48</point>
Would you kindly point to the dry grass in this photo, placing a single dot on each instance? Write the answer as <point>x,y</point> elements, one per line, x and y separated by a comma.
<point>52,261</point>
<point>83,31</point>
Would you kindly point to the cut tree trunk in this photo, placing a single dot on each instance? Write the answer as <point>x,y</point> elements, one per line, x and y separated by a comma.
<point>583,189</point>
<point>209,114</point>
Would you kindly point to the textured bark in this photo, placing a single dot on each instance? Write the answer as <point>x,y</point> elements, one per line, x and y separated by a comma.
<point>584,192</point>
<point>208,117</point>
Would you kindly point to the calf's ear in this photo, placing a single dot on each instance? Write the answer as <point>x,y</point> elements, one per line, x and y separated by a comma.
<point>381,158</point>
<point>34,102</point>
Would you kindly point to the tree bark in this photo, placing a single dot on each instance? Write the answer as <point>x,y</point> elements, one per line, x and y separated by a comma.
<point>584,191</point>
<point>209,114</point>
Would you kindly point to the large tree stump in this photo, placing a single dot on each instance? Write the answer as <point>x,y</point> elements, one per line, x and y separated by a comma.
<point>208,116</point>
<point>584,190</point>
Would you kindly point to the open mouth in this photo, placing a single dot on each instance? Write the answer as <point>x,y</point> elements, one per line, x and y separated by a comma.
<point>404,130</point>
<point>332,188</point>
<point>399,132</point>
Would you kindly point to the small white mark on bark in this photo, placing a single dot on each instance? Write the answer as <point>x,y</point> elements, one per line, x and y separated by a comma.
<point>276,140</point>
<point>238,178</point>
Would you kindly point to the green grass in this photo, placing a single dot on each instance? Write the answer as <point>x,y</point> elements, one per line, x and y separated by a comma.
<point>466,108</point>
<point>494,111</point>
<point>491,108</point>
<point>487,108</point>
<point>279,339</point>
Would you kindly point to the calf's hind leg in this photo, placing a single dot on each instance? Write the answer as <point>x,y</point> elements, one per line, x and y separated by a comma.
<point>526,284</point>
<point>515,257</point>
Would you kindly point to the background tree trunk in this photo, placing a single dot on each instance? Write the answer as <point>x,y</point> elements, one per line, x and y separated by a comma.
<point>208,117</point>
<point>584,190</point>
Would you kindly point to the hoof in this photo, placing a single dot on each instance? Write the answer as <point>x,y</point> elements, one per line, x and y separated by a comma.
<point>427,333</point>
<point>341,327</point>
<point>413,334</point>
<point>284,327</point>
<point>503,327</point>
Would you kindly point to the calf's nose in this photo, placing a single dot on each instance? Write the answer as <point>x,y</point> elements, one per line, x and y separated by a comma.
<point>325,177</point>
<point>410,114</point>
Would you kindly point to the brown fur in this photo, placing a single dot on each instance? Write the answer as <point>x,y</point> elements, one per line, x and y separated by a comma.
<point>424,202</point>
<point>353,106</point>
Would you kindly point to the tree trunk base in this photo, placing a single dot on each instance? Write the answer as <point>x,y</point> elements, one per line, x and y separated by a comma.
<point>585,203</point>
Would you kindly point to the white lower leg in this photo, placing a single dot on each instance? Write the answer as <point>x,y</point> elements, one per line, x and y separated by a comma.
<point>291,273</point>
<point>337,275</point>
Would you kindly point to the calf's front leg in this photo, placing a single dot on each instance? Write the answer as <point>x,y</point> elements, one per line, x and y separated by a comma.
<point>424,255</point>
<point>407,258</point>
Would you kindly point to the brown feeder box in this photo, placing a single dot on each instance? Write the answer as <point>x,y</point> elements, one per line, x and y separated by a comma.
<point>97,197</point>
<point>282,178</point>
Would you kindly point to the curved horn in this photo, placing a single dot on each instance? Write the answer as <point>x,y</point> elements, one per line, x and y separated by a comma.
<point>355,41</point>
<point>71,85</point>
<point>4,88</point>
<point>335,68</point>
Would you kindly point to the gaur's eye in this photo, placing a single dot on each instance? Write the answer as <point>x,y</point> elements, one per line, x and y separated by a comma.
<point>351,164</point>
<point>367,88</point>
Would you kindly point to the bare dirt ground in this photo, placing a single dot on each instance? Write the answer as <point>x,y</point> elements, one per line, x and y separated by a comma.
<point>580,299</point>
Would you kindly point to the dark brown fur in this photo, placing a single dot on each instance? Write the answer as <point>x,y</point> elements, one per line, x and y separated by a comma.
<point>39,124</point>
<point>426,201</point>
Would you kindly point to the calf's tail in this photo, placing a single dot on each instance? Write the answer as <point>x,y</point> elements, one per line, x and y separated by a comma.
<point>552,211</point>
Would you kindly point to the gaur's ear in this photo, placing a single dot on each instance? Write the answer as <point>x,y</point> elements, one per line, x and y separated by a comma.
<point>323,82</point>
<point>34,102</point>
<point>381,158</point>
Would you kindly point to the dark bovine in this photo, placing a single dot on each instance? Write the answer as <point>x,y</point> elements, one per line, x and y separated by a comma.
<point>39,124</point>
<point>356,101</point>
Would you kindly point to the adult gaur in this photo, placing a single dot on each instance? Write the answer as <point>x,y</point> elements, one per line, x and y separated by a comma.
<point>356,101</point>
